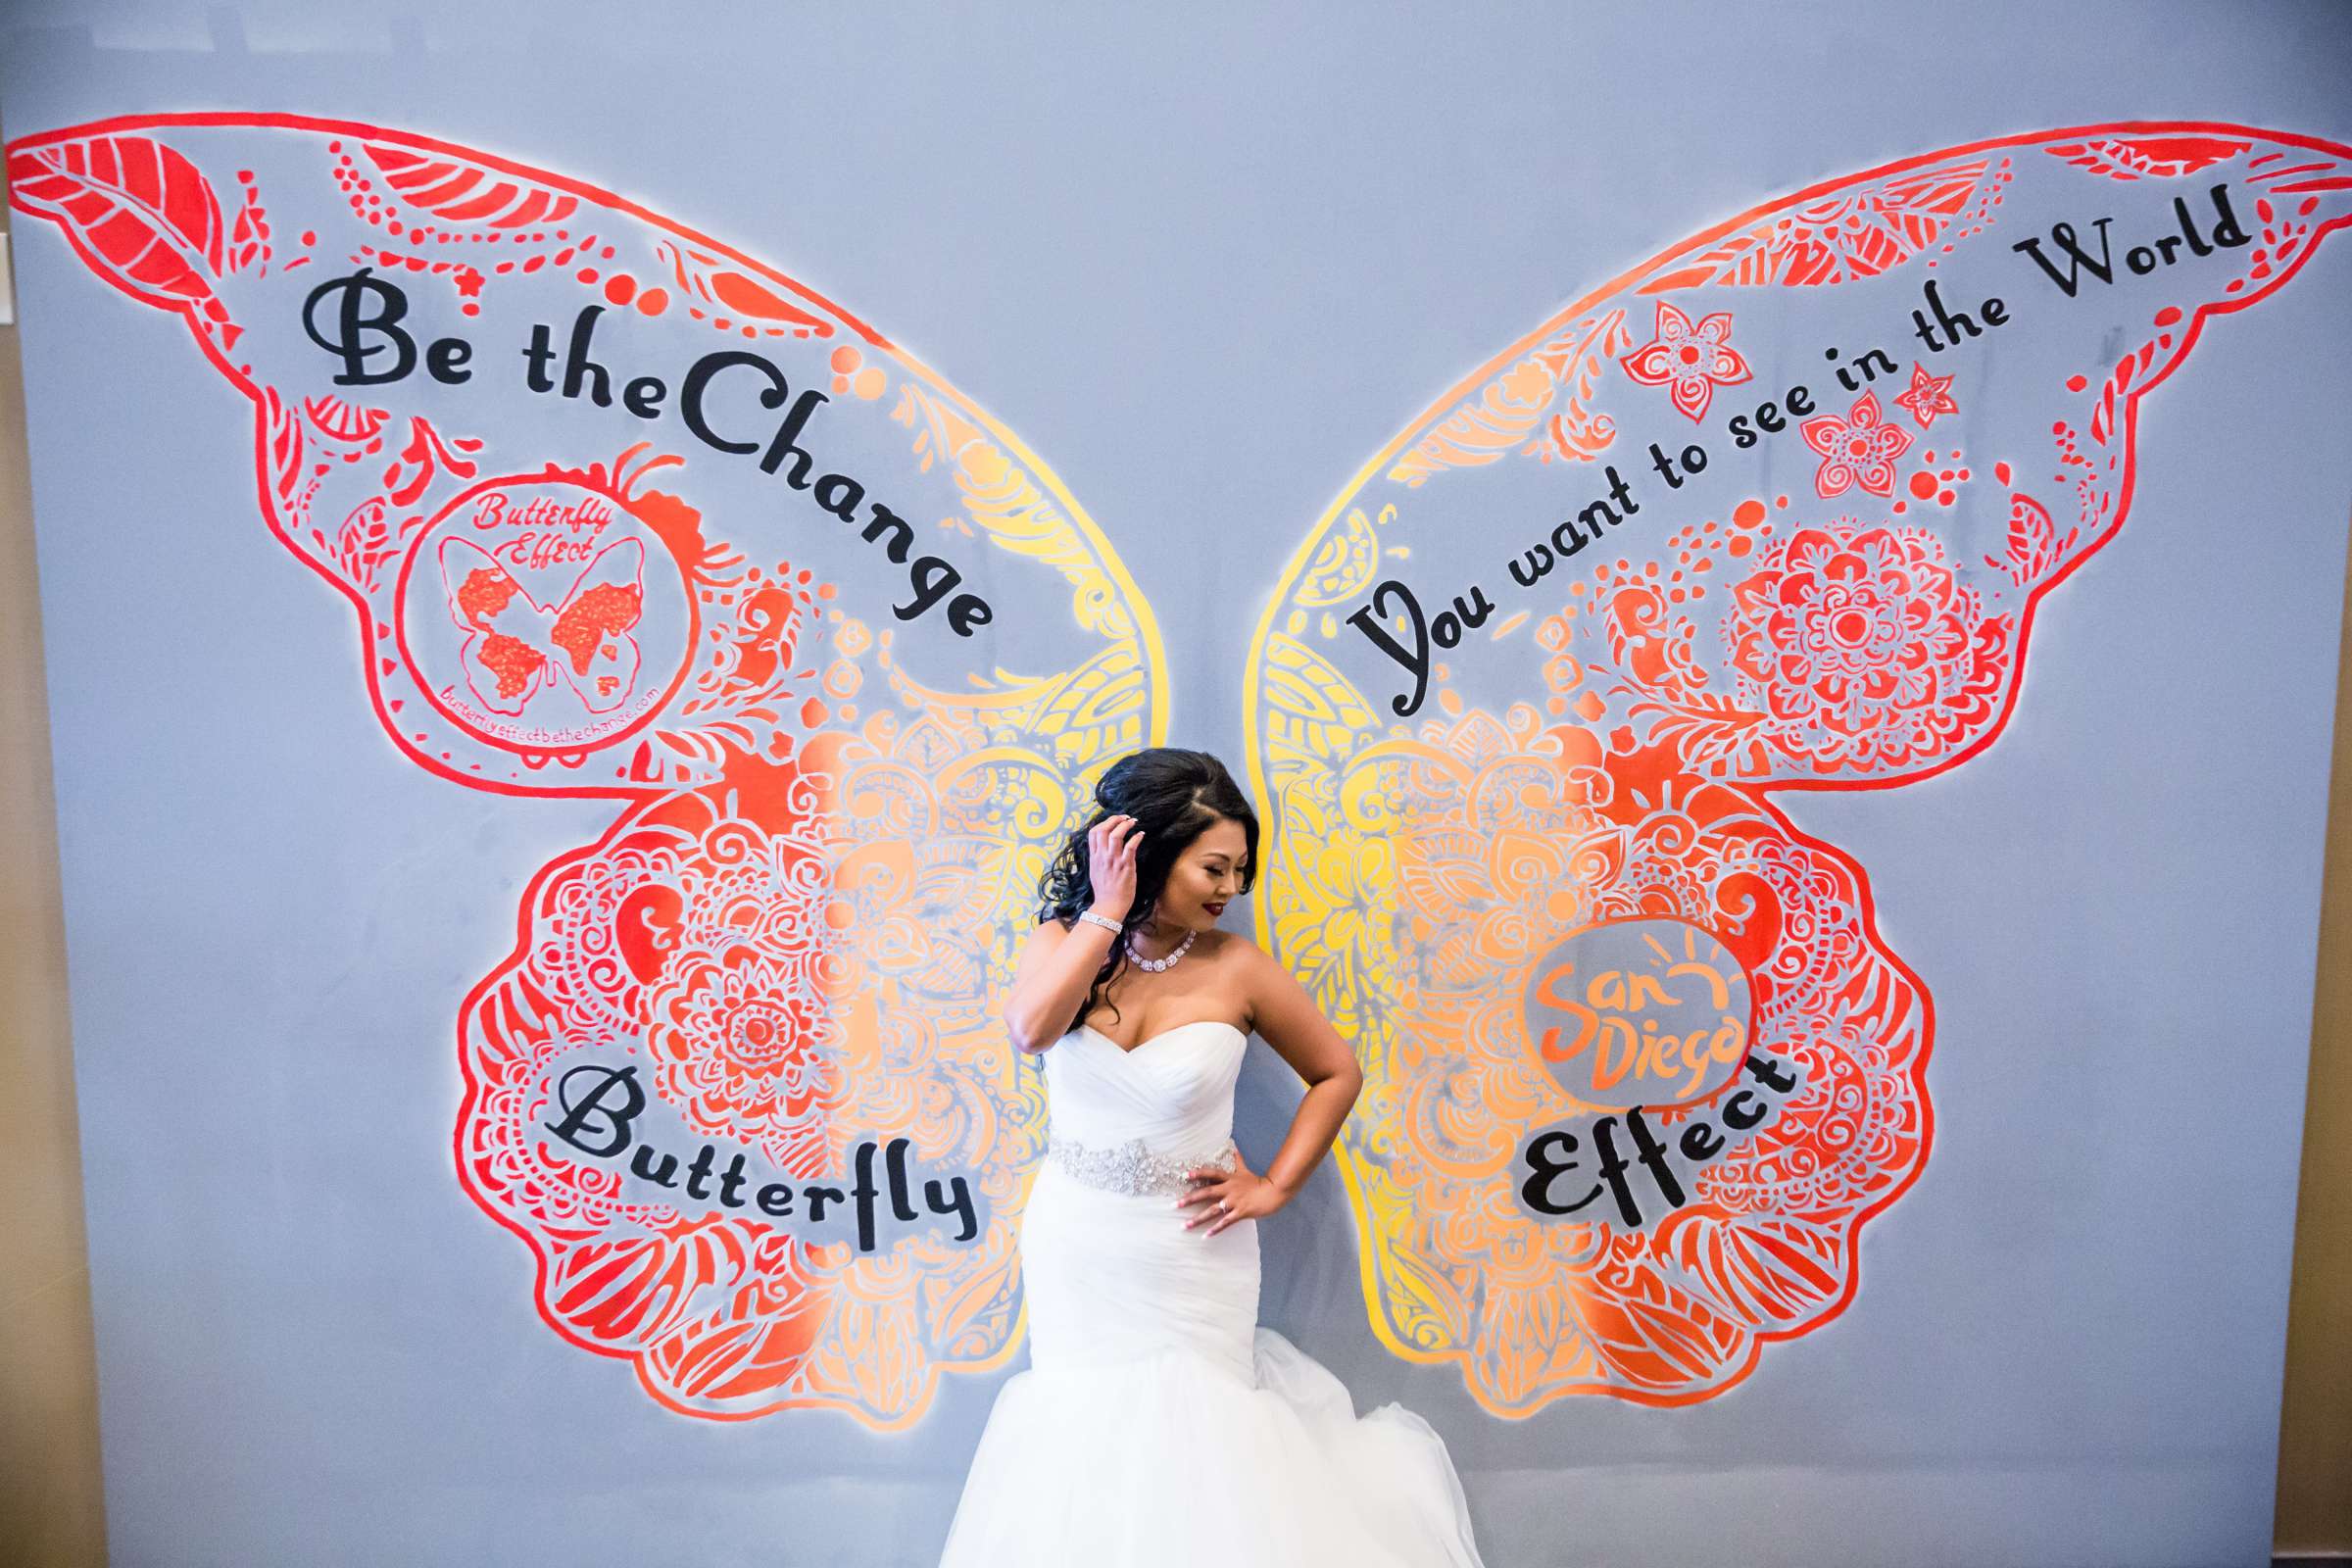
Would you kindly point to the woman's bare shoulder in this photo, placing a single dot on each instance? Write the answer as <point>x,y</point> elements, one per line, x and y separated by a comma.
<point>1240,958</point>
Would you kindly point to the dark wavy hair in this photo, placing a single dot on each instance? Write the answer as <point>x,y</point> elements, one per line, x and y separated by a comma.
<point>1176,796</point>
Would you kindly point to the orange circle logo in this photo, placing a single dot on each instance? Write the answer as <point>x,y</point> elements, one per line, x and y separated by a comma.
<point>1639,1012</point>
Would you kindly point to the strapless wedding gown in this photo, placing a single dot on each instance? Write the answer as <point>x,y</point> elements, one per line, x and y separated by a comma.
<point>1158,1423</point>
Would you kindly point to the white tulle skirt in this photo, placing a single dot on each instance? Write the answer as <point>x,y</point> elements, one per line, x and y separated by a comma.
<point>1159,1425</point>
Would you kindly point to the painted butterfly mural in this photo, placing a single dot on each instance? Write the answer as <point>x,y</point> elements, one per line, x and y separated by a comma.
<point>623,512</point>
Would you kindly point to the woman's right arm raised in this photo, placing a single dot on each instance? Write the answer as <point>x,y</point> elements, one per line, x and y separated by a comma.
<point>1057,967</point>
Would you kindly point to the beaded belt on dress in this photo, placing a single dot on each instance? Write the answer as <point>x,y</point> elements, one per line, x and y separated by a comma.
<point>1132,1167</point>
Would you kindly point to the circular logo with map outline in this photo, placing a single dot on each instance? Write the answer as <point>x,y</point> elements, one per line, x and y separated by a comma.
<point>541,615</point>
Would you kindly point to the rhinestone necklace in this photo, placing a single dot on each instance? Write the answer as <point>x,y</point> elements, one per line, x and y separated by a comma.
<point>1157,965</point>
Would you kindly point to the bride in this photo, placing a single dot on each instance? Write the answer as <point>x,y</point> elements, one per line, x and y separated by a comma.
<point>1158,1423</point>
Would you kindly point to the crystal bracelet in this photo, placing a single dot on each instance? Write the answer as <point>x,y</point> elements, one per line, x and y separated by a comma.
<point>1103,920</point>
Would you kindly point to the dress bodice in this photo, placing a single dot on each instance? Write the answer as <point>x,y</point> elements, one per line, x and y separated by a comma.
<point>1173,1092</point>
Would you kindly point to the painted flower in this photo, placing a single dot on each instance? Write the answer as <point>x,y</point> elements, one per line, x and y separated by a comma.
<point>1928,397</point>
<point>1861,644</point>
<point>1857,450</point>
<point>743,1042</point>
<point>1693,361</point>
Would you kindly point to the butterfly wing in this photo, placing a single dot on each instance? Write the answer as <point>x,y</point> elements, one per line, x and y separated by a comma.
<point>771,650</point>
<point>505,654</point>
<point>593,649</point>
<point>1774,510</point>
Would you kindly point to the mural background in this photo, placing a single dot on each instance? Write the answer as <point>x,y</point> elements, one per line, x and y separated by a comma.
<point>1201,281</point>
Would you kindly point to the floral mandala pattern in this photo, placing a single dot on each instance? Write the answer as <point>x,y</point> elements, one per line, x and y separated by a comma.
<point>1864,643</point>
<point>740,1033</point>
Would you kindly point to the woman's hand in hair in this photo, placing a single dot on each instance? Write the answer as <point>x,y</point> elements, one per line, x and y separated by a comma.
<point>1111,849</point>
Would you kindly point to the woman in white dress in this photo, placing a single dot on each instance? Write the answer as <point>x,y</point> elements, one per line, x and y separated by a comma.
<point>1159,1423</point>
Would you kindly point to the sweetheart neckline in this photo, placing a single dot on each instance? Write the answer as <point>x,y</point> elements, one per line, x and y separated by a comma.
<point>1129,1051</point>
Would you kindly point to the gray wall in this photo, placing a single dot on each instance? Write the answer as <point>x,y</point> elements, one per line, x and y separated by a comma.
<point>1203,263</point>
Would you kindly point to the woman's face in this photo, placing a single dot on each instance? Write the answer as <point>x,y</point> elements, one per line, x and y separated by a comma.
<point>1206,877</point>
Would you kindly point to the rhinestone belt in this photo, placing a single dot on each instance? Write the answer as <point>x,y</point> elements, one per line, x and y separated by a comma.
<point>1132,1167</point>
